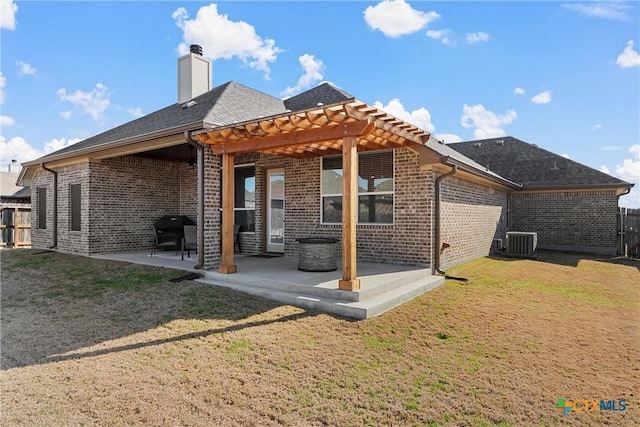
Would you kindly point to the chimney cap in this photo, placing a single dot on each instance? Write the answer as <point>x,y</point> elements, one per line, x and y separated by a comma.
<point>196,49</point>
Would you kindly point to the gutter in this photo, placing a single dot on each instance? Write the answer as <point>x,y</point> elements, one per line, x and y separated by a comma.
<point>200,148</point>
<point>437,238</point>
<point>55,205</point>
<point>450,161</point>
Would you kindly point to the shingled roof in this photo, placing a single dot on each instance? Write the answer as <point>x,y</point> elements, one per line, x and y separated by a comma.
<point>324,94</point>
<point>532,166</point>
<point>222,105</point>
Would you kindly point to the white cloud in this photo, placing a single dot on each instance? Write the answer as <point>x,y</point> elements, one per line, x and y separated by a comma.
<point>604,169</point>
<point>58,144</point>
<point>477,37</point>
<point>3,83</point>
<point>542,97</point>
<point>518,91</point>
<point>20,150</point>
<point>8,10</point>
<point>25,69</point>
<point>17,149</point>
<point>135,112</point>
<point>487,123</point>
<point>629,57</point>
<point>420,117</point>
<point>93,103</point>
<point>221,37</point>
<point>313,72</point>
<point>606,10</point>
<point>448,138</point>
<point>443,35</point>
<point>395,18</point>
<point>6,121</point>
<point>630,171</point>
<point>66,114</point>
<point>566,156</point>
<point>596,127</point>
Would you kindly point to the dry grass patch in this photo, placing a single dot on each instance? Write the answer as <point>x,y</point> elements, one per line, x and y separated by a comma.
<point>94,342</point>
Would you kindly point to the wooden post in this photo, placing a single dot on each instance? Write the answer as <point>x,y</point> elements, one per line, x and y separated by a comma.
<point>349,281</point>
<point>226,265</point>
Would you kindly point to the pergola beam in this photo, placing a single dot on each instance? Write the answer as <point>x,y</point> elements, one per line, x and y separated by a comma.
<point>308,136</point>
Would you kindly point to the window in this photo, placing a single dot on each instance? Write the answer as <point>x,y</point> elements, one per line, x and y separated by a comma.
<point>245,197</point>
<point>375,188</point>
<point>75,191</point>
<point>42,208</point>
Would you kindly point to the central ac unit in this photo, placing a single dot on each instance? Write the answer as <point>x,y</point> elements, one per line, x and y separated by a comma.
<point>521,244</point>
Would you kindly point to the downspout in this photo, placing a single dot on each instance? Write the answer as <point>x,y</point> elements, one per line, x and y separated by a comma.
<point>200,148</point>
<point>55,205</point>
<point>436,247</point>
<point>621,247</point>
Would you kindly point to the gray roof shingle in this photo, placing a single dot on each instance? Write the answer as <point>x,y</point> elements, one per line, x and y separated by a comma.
<point>324,94</point>
<point>225,104</point>
<point>532,166</point>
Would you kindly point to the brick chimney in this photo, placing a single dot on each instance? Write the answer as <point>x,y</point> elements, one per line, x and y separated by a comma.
<point>194,74</point>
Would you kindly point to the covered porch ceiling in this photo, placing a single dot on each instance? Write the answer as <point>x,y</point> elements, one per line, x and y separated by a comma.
<point>315,132</point>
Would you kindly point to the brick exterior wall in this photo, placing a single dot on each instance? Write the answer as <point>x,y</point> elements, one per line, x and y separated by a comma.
<point>568,220</point>
<point>407,241</point>
<point>472,216</point>
<point>212,216</point>
<point>121,198</point>
<point>42,238</point>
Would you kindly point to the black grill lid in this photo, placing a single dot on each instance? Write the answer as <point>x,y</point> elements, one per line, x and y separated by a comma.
<point>173,222</point>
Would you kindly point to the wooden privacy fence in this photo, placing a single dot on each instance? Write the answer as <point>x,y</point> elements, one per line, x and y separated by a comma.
<point>15,227</point>
<point>629,232</point>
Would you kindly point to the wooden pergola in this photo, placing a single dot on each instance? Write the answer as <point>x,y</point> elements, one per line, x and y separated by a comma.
<point>345,128</point>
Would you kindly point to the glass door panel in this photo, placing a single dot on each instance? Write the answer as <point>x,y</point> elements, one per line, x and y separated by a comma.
<point>275,210</point>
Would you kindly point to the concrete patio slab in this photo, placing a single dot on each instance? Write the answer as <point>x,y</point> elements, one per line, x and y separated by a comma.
<point>384,286</point>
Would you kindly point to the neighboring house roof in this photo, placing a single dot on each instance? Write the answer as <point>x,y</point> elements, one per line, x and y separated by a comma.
<point>23,193</point>
<point>532,166</point>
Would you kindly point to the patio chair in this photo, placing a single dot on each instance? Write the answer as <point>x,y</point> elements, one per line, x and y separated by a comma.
<point>189,240</point>
<point>164,240</point>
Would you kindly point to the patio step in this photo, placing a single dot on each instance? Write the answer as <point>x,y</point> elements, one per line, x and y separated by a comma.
<point>363,309</point>
<point>375,285</point>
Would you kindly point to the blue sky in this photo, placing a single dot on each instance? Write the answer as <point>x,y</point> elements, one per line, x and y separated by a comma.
<point>564,75</point>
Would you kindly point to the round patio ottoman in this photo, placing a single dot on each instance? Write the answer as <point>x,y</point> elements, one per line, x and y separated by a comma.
<point>317,254</point>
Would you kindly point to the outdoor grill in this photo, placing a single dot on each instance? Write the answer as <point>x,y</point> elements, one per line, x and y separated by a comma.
<point>171,228</point>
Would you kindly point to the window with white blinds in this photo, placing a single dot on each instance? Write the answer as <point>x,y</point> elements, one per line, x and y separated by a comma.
<point>375,188</point>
